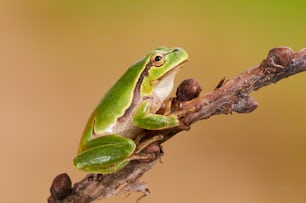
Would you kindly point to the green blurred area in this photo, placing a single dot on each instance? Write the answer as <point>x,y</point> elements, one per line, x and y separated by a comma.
<point>57,59</point>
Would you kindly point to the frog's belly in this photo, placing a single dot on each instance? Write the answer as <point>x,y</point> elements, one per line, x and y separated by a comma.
<point>127,129</point>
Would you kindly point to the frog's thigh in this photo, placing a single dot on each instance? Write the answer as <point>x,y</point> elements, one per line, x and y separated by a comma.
<point>105,154</point>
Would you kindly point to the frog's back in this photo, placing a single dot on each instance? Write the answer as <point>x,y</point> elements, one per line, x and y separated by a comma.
<point>118,99</point>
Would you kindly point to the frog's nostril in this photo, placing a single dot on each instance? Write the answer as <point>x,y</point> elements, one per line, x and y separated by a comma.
<point>176,49</point>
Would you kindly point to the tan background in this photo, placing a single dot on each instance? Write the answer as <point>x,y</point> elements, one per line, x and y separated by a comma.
<point>57,58</point>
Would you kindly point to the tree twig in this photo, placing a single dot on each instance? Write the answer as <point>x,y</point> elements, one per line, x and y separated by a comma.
<point>230,95</point>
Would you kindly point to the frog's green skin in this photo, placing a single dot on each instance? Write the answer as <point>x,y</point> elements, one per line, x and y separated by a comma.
<point>107,144</point>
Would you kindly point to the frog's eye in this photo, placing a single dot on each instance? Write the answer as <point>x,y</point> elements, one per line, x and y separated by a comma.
<point>157,59</point>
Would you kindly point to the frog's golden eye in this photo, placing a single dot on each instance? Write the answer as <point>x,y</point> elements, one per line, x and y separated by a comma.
<point>157,59</point>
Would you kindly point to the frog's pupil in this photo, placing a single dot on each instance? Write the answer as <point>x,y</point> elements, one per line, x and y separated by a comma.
<point>158,58</point>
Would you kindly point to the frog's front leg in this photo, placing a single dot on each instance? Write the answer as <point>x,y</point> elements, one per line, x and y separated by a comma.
<point>143,118</point>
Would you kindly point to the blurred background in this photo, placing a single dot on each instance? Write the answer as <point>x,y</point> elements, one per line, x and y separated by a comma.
<point>58,58</point>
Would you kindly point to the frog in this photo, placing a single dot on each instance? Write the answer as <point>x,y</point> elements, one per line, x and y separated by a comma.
<point>110,139</point>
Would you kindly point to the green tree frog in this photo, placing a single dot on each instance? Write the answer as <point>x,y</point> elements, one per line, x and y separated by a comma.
<point>130,106</point>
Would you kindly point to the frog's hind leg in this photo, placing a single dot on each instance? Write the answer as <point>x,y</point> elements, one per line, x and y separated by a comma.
<point>147,142</point>
<point>146,156</point>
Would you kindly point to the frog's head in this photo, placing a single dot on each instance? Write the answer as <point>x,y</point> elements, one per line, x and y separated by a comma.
<point>164,64</point>
<point>164,61</point>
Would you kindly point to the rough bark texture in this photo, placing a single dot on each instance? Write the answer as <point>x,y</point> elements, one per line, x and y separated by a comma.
<point>231,95</point>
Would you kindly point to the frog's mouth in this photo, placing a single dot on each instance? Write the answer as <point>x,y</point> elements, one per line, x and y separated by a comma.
<point>173,71</point>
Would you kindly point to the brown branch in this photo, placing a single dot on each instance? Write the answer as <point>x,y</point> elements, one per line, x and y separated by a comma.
<point>229,96</point>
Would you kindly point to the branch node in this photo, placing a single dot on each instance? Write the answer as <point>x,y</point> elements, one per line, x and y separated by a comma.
<point>245,105</point>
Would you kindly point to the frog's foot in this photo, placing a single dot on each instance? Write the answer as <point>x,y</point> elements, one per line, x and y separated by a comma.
<point>139,137</point>
<point>147,142</point>
<point>148,150</point>
<point>144,157</point>
<point>184,126</point>
<point>183,114</point>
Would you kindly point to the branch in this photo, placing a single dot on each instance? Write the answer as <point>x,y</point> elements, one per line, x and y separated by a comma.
<point>230,95</point>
